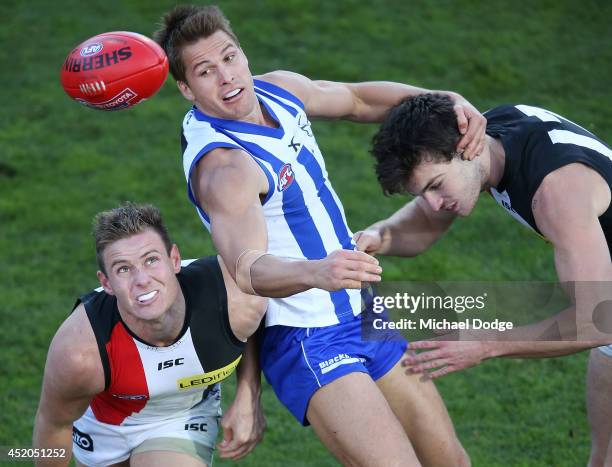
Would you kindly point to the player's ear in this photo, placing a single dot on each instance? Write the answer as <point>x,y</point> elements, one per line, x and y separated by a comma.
<point>105,283</point>
<point>175,257</point>
<point>185,90</point>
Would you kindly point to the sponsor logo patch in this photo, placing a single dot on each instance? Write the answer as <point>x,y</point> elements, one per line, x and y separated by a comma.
<point>131,397</point>
<point>340,359</point>
<point>82,440</point>
<point>117,102</point>
<point>206,379</point>
<point>285,177</point>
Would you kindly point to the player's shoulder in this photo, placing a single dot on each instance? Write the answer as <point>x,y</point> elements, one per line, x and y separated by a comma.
<point>504,112</point>
<point>587,188</point>
<point>286,84</point>
<point>194,269</point>
<point>74,356</point>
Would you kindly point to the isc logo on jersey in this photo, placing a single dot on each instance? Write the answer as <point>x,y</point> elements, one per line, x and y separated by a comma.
<point>285,177</point>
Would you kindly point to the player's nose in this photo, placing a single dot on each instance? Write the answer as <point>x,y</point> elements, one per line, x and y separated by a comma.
<point>434,201</point>
<point>225,75</point>
<point>141,277</point>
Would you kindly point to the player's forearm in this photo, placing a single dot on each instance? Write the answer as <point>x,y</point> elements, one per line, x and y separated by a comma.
<point>375,98</point>
<point>539,349</point>
<point>407,232</point>
<point>273,276</point>
<point>559,335</point>
<point>53,438</point>
<point>248,374</point>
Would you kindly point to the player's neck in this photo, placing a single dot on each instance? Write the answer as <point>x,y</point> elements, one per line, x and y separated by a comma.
<point>160,332</point>
<point>261,116</point>
<point>495,158</point>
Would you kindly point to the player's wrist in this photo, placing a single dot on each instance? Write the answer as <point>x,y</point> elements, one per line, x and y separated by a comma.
<point>309,273</point>
<point>249,389</point>
<point>492,349</point>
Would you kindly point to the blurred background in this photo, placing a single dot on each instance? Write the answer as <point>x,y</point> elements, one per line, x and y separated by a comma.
<point>61,163</point>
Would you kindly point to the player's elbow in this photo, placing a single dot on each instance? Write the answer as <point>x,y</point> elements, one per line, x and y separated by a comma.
<point>246,313</point>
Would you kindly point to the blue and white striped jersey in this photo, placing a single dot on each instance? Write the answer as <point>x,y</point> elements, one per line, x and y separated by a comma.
<point>304,217</point>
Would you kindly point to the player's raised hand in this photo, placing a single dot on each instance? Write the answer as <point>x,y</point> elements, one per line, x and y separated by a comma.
<point>346,269</point>
<point>243,425</point>
<point>472,125</point>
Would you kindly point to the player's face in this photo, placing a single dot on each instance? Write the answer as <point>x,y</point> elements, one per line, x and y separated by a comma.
<point>453,186</point>
<point>219,81</point>
<point>142,275</point>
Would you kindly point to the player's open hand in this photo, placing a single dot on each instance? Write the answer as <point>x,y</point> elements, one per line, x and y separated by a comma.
<point>243,425</point>
<point>441,357</point>
<point>472,125</point>
<point>346,269</point>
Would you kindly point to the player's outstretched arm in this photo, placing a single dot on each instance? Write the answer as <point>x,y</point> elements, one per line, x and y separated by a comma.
<point>243,423</point>
<point>229,185</point>
<point>73,375</point>
<point>370,101</point>
<point>408,232</point>
<point>583,265</point>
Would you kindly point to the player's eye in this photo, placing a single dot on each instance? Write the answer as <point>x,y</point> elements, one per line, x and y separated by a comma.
<point>435,186</point>
<point>122,269</point>
<point>230,58</point>
<point>151,260</point>
<point>205,72</point>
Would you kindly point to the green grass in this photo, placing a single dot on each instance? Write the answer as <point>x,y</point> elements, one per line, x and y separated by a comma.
<point>61,163</point>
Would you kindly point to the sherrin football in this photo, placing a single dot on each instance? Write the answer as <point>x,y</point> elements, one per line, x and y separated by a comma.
<point>114,70</point>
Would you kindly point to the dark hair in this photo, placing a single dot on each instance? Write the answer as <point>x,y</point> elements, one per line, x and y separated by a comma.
<point>183,26</point>
<point>125,221</point>
<point>419,128</point>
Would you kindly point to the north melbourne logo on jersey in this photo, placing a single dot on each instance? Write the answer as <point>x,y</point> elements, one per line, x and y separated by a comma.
<point>285,177</point>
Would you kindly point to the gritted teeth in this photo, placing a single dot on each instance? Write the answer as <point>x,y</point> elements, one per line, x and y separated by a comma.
<point>233,93</point>
<point>147,296</point>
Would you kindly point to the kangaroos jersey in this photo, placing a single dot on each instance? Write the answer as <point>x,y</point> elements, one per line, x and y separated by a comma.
<point>145,383</point>
<point>304,217</point>
<point>537,142</point>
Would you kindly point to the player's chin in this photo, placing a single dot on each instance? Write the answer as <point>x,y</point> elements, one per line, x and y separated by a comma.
<point>465,211</point>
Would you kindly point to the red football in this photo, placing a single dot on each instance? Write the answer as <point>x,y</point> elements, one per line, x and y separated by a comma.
<point>114,70</point>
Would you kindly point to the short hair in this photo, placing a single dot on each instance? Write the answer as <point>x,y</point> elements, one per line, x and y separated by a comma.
<point>185,25</point>
<point>420,128</point>
<point>126,221</point>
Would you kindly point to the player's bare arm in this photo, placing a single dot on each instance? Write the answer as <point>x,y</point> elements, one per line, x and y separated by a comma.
<point>582,260</point>
<point>73,375</point>
<point>408,232</point>
<point>229,185</point>
<point>243,422</point>
<point>369,102</point>
<point>245,311</point>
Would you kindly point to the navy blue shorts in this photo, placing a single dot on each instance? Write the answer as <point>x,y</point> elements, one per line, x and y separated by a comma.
<point>298,361</point>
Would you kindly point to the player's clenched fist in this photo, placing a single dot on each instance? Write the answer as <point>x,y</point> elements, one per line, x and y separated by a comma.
<point>346,269</point>
<point>371,241</point>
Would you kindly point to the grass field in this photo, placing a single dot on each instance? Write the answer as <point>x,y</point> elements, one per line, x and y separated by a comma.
<point>60,163</point>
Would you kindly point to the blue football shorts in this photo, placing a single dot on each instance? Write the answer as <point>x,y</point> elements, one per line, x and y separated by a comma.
<point>298,361</point>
